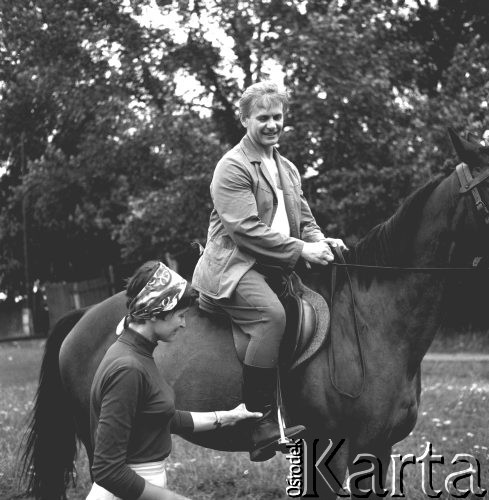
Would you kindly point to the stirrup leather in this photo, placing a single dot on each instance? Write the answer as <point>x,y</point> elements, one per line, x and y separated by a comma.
<point>284,441</point>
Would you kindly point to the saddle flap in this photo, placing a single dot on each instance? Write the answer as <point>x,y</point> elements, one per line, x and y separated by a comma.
<point>307,323</point>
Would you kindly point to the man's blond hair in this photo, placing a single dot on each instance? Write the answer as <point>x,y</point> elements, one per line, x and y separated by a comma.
<point>267,93</point>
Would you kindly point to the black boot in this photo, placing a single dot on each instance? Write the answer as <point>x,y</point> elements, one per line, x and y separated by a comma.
<point>259,394</point>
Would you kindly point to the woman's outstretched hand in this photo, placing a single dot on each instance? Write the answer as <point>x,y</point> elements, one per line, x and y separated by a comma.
<point>210,420</point>
<point>231,417</point>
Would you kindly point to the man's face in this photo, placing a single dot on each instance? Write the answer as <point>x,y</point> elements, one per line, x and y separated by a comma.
<point>264,124</point>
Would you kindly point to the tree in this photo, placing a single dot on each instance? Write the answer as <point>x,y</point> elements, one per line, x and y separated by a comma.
<point>109,163</point>
<point>168,217</point>
<point>90,90</point>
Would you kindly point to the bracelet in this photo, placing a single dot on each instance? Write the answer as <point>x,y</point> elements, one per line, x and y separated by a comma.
<point>217,422</point>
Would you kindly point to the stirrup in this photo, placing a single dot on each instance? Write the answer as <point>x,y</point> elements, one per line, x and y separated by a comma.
<point>284,441</point>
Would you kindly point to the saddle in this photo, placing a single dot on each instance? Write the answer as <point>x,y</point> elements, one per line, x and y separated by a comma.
<point>307,314</point>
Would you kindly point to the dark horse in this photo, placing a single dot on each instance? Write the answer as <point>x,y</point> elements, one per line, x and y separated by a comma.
<point>375,353</point>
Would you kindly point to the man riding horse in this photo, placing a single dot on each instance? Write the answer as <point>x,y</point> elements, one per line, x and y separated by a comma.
<point>260,223</point>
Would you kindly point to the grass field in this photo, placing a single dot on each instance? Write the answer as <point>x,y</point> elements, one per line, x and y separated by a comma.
<point>453,417</point>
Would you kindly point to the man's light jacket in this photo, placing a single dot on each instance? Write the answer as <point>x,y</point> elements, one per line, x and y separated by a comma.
<point>245,203</point>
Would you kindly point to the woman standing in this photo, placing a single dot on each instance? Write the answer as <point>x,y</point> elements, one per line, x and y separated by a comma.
<point>131,405</point>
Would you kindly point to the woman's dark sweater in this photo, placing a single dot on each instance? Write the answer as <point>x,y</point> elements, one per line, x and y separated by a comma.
<point>132,414</point>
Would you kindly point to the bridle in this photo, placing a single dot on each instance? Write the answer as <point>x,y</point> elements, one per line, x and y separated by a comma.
<point>469,184</point>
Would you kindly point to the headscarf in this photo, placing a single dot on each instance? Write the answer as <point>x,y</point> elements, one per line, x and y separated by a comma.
<point>160,294</point>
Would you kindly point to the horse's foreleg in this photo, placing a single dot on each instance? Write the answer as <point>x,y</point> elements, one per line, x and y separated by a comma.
<point>368,472</point>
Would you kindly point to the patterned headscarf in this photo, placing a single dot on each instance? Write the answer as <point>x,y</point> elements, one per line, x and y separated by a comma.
<point>160,294</point>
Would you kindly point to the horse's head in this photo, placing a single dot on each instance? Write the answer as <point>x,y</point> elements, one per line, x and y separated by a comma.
<point>471,220</point>
<point>470,227</point>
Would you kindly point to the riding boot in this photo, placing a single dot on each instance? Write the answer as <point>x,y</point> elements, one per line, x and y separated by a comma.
<point>259,394</point>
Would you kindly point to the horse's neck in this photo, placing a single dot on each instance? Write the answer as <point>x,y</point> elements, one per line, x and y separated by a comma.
<point>401,309</point>
<point>431,243</point>
<point>402,314</point>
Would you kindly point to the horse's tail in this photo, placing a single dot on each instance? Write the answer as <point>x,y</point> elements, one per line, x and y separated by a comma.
<point>50,442</point>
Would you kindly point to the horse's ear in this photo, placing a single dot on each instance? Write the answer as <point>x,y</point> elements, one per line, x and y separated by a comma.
<point>465,150</point>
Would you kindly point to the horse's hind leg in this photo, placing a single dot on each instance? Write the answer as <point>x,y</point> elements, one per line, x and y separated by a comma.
<point>368,472</point>
<point>83,431</point>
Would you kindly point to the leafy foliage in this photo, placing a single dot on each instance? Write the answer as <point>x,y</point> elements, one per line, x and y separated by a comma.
<point>89,122</point>
<point>166,218</point>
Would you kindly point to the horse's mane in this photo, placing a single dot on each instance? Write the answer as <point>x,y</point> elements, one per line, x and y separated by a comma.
<point>389,243</point>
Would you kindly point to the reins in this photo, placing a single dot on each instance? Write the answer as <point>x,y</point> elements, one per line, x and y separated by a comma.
<point>345,264</point>
<point>332,362</point>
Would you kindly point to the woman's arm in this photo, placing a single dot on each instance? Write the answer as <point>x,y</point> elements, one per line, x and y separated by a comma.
<point>206,421</point>
<point>203,421</point>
